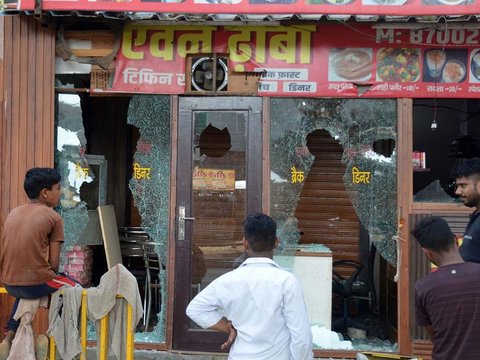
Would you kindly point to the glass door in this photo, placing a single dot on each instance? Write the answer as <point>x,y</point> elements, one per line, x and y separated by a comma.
<point>219,178</point>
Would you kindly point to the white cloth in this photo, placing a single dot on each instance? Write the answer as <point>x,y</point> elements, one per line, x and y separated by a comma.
<point>102,300</point>
<point>265,304</point>
<point>23,347</point>
<point>63,321</point>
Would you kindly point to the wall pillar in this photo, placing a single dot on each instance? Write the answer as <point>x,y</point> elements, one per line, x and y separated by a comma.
<point>27,71</point>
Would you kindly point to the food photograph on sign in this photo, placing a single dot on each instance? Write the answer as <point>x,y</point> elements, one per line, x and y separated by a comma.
<point>271,1</point>
<point>398,65</point>
<point>217,1</point>
<point>475,66</point>
<point>445,65</point>
<point>354,64</point>
<point>330,2</point>
<point>383,2</point>
<point>162,1</point>
<point>447,2</point>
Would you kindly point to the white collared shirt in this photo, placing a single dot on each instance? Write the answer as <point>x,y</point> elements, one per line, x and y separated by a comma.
<point>265,304</point>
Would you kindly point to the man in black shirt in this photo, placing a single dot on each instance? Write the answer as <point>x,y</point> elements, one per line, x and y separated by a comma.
<point>467,179</point>
<point>447,301</point>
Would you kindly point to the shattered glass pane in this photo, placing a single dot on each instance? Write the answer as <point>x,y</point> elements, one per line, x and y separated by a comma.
<point>345,148</point>
<point>369,177</point>
<point>434,192</point>
<point>73,167</point>
<point>445,133</point>
<point>150,188</point>
<point>324,338</point>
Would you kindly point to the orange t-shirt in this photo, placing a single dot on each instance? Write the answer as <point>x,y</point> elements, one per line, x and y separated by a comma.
<point>24,248</point>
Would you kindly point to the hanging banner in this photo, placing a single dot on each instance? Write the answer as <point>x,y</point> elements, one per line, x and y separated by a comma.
<point>336,7</point>
<point>339,60</point>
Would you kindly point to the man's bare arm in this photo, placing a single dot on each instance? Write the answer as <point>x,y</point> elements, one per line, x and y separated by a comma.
<point>54,254</point>
<point>225,326</point>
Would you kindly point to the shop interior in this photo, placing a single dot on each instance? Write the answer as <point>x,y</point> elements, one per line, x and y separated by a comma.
<point>453,132</point>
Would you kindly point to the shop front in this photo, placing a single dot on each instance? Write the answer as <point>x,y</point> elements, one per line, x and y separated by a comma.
<point>188,128</point>
<point>314,174</point>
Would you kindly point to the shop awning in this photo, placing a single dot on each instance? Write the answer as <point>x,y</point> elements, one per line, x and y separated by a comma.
<point>248,19</point>
<point>303,9</point>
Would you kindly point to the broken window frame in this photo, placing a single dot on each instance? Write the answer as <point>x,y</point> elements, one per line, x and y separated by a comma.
<point>357,124</point>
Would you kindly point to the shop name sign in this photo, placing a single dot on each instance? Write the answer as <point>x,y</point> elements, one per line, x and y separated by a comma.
<point>334,60</point>
<point>352,7</point>
<point>153,58</point>
<point>169,43</point>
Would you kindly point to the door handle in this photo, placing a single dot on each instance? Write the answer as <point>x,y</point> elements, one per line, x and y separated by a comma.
<point>186,218</point>
<point>181,222</point>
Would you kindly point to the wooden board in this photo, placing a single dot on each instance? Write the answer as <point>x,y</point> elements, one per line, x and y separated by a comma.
<point>111,242</point>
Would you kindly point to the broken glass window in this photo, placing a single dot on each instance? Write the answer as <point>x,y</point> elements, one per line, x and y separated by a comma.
<point>72,165</point>
<point>83,189</point>
<point>333,173</point>
<point>366,131</point>
<point>150,186</point>
<point>445,133</point>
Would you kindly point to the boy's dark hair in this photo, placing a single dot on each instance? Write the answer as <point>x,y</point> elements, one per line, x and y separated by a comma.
<point>433,233</point>
<point>467,168</point>
<point>37,179</point>
<point>260,230</point>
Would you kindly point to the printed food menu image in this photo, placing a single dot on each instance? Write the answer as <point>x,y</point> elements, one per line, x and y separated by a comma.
<point>475,66</point>
<point>447,2</point>
<point>383,2</point>
<point>330,2</point>
<point>398,65</point>
<point>350,64</point>
<point>445,65</point>
<point>272,2</point>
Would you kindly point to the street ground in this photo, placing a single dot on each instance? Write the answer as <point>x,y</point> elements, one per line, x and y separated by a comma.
<point>162,355</point>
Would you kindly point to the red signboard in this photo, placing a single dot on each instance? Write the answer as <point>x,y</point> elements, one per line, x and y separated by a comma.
<point>339,60</point>
<point>353,7</point>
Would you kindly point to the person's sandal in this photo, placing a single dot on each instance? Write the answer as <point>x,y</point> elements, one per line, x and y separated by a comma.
<point>4,350</point>
<point>41,347</point>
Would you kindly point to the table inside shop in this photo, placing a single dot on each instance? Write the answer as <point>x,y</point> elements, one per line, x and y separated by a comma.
<point>312,265</point>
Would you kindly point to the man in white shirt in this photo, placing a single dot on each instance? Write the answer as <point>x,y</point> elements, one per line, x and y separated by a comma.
<point>259,304</point>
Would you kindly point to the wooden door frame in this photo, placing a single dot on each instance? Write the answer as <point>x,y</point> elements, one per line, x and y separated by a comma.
<point>208,341</point>
<point>404,203</point>
<point>405,206</point>
<point>408,344</point>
